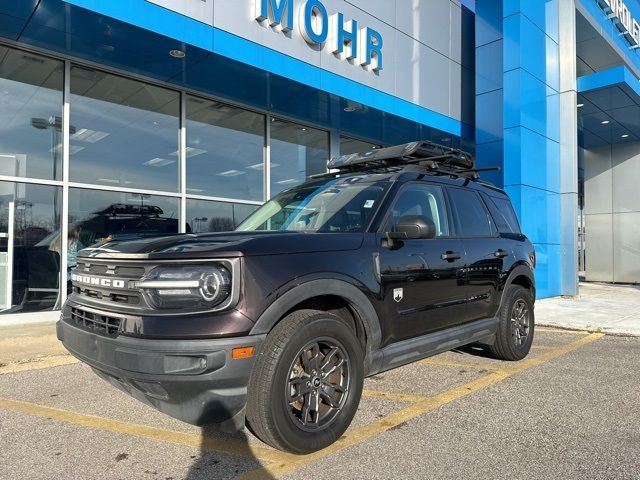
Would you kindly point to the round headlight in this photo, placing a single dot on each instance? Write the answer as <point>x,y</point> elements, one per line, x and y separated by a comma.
<point>186,287</point>
<point>215,285</point>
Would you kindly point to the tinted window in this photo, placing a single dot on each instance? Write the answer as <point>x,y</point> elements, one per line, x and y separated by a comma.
<point>30,247</point>
<point>351,145</point>
<point>123,132</point>
<point>30,115</point>
<point>472,219</point>
<point>297,152</point>
<point>210,216</point>
<point>426,200</point>
<point>224,151</point>
<point>96,215</point>
<point>503,214</point>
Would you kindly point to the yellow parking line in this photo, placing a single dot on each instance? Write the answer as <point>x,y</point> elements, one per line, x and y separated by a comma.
<point>281,463</point>
<point>561,330</point>
<point>439,362</point>
<point>170,436</point>
<point>393,396</point>
<point>361,434</point>
<point>48,362</point>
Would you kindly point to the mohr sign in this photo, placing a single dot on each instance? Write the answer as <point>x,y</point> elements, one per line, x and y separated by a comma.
<point>345,39</point>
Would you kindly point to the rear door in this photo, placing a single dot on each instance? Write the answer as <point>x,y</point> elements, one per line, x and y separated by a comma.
<point>484,251</point>
<point>422,280</point>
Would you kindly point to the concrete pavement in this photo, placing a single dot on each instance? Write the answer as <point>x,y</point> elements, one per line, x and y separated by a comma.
<point>599,307</point>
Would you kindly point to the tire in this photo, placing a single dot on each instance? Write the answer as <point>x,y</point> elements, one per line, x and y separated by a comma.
<point>282,410</point>
<point>516,325</point>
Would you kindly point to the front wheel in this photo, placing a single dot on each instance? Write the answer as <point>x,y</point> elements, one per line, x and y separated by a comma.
<point>306,385</point>
<point>516,325</point>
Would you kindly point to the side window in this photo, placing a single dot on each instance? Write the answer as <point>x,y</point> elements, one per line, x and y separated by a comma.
<point>426,200</point>
<point>472,218</point>
<point>503,214</point>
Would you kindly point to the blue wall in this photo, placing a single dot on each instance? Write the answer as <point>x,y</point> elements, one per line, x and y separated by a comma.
<point>517,119</point>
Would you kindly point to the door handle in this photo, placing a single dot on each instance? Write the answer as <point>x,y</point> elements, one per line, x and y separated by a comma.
<point>450,256</point>
<point>500,253</point>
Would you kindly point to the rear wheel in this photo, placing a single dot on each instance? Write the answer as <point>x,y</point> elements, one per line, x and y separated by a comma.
<point>516,325</point>
<point>306,385</point>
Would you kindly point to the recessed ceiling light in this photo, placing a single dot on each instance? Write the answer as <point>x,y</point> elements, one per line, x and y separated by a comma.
<point>604,122</point>
<point>260,166</point>
<point>350,109</point>
<point>190,152</point>
<point>158,162</point>
<point>231,173</point>
<point>90,136</point>
<point>580,105</point>
<point>177,54</point>
<point>625,135</point>
<point>303,129</point>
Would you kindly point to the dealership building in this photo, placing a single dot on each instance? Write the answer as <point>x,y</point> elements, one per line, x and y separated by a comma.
<point>128,117</point>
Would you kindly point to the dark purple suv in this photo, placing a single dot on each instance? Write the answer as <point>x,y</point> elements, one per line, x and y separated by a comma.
<point>398,254</point>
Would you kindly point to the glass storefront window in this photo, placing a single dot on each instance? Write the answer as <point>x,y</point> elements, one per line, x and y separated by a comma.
<point>297,152</point>
<point>351,145</point>
<point>96,216</point>
<point>123,132</point>
<point>30,115</point>
<point>208,216</point>
<point>225,150</point>
<point>30,247</point>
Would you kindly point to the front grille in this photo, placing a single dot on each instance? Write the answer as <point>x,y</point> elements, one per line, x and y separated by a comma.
<point>129,273</point>
<point>111,269</point>
<point>126,298</point>
<point>95,322</point>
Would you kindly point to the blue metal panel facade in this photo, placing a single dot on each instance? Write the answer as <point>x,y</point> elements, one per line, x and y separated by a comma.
<point>517,74</point>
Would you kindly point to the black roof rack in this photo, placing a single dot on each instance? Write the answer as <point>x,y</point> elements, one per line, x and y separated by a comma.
<point>438,159</point>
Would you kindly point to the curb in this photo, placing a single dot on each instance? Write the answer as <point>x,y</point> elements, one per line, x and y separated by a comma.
<point>613,331</point>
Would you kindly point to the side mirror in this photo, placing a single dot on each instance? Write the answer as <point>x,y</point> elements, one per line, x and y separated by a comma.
<point>413,227</point>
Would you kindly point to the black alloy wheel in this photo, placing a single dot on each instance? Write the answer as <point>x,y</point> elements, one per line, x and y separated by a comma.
<point>318,384</point>
<point>520,322</point>
<point>516,325</point>
<point>307,381</point>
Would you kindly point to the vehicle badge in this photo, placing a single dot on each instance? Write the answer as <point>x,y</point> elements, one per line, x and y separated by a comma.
<point>398,294</point>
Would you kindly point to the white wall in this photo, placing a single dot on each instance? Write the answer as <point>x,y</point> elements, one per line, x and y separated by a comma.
<point>422,43</point>
<point>612,213</point>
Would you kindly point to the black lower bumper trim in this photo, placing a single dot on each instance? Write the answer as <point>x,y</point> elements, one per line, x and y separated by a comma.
<point>195,381</point>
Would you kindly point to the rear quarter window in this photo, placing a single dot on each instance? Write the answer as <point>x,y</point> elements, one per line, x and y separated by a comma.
<point>472,218</point>
<point>503,214</point>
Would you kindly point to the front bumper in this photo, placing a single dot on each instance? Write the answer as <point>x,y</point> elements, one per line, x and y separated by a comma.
<point>195,381</point>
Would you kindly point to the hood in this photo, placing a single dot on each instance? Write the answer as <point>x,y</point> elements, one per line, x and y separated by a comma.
<point>227,244</point>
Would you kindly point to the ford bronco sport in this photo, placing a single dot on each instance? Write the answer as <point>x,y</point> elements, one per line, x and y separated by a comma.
<point>398,254</point>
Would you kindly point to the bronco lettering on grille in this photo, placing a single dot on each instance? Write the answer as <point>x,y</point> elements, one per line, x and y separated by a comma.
<point>97,281</point>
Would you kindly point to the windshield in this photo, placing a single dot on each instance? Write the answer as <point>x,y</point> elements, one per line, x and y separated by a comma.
<point>338,205</point>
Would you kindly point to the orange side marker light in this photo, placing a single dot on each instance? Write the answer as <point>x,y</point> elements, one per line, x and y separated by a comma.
<point>242,352</point>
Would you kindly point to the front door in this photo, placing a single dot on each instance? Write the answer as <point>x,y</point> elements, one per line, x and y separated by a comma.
<point>423,281</point>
